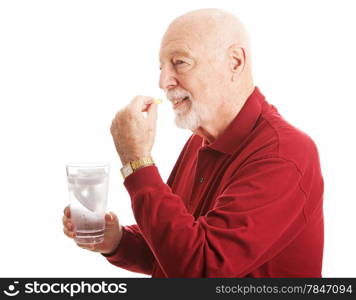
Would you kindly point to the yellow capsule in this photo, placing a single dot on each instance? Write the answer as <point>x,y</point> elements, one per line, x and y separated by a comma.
<point>157,101</point>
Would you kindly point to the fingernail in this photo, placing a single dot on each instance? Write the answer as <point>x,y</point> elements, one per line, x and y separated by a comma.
<point>110,217</point>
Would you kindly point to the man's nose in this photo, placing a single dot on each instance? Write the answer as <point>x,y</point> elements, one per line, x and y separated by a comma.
<point>167,79</point>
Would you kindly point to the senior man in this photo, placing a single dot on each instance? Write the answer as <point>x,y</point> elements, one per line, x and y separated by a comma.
<point>245,198</point>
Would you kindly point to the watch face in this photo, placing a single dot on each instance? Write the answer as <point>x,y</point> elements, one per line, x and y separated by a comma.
<point>126,170</point>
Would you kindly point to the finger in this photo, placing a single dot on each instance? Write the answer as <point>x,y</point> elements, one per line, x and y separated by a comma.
<point>147,104</point>
<point>68,233</point>
<point>152,113</point>
<point>67,223</point>
<point>67,211</point>
<point>141,103</point>
<point>69,226</point>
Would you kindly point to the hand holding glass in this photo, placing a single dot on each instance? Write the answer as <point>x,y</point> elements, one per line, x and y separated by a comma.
<point>88,189</point>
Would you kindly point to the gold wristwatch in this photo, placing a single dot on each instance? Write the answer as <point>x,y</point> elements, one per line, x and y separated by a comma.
<point>132,166</point>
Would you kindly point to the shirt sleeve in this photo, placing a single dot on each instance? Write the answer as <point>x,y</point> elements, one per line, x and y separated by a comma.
<point>259,212</point>
<point>133,253</point>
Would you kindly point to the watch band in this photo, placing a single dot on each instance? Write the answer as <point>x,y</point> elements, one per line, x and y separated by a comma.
<point>143,162</point>
<point>134,165</point>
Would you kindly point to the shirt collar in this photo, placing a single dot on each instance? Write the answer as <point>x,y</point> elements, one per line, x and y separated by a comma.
<point>241,125</point>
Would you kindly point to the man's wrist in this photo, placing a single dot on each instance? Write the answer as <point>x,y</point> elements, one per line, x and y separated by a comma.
<point>134,165</point>
<point>127,158</point>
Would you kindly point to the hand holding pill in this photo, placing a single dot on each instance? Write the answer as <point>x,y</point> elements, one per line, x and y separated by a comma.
<point>132,132</point>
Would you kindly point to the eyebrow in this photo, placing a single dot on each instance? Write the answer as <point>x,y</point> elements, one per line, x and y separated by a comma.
<point>178,52</point>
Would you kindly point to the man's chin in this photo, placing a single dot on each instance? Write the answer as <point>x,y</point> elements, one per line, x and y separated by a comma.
<point>188,121</point>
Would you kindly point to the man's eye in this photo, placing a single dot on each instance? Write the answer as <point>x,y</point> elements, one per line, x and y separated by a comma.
<point>179,62</point>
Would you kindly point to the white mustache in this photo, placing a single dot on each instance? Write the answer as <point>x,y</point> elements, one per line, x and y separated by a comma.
<point>177,94</point>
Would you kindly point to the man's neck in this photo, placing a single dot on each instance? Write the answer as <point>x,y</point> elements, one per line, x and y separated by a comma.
<point>211,131</point>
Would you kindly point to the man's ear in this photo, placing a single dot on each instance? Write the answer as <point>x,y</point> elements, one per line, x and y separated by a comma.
<point>237,58</point>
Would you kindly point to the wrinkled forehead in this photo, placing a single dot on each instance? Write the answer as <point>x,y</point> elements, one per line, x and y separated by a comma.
<point>182,40</point>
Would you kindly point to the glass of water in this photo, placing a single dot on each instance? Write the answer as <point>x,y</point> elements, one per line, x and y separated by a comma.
<point>88,186</point>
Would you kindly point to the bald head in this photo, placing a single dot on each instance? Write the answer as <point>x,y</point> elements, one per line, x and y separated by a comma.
<point>212,29</point>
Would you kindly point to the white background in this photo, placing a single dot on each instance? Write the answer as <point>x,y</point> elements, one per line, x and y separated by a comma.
<point>66,67</point>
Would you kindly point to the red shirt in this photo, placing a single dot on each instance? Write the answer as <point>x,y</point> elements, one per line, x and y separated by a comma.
<point>249,204</point>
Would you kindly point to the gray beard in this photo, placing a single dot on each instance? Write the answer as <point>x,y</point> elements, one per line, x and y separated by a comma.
<point>191,118</point>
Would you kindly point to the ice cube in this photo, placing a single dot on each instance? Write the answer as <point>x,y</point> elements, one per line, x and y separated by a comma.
<point>86,190</point>
<point>88,196</point>
<point>90,176</point>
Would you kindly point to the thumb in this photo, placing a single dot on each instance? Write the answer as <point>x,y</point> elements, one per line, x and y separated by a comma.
<point>111,218</point>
